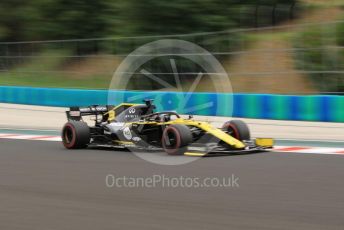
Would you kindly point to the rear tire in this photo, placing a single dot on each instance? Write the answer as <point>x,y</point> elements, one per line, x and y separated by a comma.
<point>237,129</point>
<point>75,135</point>
<point>175,139</point>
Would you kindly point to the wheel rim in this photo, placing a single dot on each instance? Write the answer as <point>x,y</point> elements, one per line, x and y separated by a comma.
<point>232,130</point>
<point>68,135</point>
<point>172,141</point>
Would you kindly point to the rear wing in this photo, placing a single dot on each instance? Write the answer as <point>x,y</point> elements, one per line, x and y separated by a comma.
<point>76,113</point>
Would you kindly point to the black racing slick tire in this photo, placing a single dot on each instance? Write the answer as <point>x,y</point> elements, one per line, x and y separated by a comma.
<point>175,139</point>
<point>76,135</point>
<point>237,129</point>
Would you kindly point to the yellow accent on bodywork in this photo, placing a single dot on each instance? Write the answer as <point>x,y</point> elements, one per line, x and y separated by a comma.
<point>111,115</point>
<point>217,133</point>
<point>193,154</point>
<point>124,142</point>
<point>204,126</point>
<point>126,104</point>
<point>264,142</point>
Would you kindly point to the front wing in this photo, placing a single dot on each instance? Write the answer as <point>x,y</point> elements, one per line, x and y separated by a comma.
<point>213,149</point>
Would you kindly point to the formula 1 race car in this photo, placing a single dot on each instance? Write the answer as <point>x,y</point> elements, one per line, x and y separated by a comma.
<point>138,126</point>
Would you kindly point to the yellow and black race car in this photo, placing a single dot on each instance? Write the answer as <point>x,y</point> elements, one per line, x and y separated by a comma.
<point>138,126</point>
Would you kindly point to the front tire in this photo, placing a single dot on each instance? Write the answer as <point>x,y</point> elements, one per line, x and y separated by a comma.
<point>175,139</point>
<point>75,135</point>
<point>237,129</point>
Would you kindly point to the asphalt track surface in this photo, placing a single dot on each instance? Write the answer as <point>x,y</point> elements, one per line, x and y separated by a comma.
<point>44,186</point>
